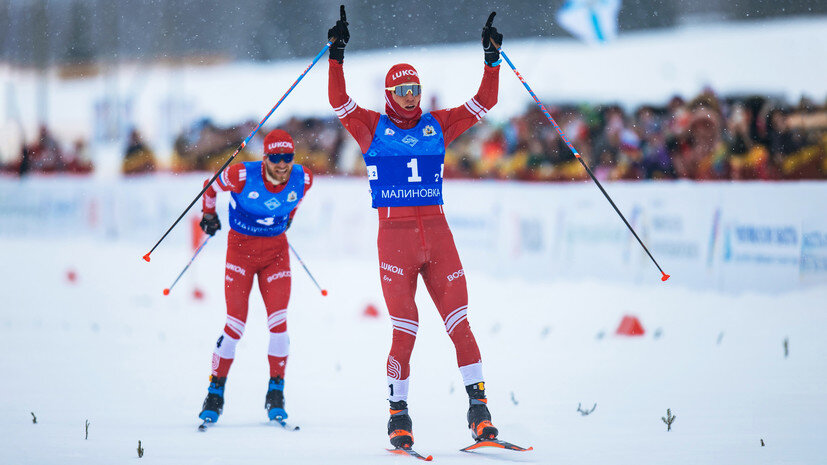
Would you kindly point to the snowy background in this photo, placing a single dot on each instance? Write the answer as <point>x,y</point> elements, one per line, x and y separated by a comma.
<point>88,335</point>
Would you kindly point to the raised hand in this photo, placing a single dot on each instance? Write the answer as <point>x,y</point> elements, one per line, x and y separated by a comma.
<point>491,40</point>
<point>339,35</point>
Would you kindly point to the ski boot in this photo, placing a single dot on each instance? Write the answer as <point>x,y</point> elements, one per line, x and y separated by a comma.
<point>214,403</point>
<point>274,402</point>
<point>400,427</point>
<point>479,419</point>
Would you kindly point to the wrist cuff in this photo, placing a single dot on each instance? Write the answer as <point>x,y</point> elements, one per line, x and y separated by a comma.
<point>496,63</point>
<point>337,54</point>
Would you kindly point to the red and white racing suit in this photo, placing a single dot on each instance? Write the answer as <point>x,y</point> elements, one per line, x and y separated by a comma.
<point>416,240</point>
<point>249,256</point>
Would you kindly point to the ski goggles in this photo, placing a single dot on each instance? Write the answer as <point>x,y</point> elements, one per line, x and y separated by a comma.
<point>403,89</point>
<point>275,158</point>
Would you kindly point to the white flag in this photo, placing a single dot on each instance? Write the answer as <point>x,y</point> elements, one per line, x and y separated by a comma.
<point>594,21</point>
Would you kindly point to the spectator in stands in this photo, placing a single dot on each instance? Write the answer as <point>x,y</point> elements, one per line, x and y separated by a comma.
<point>77,160</point>
<point>748,160</point>
<point>45,156</point>
<point>604,169</point>
<point>630,165</point>
<point>138,159</point>
<point>781,141</point>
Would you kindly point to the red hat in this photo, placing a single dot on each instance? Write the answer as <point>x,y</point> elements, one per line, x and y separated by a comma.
<point>278,141</point>
<point>400,74</point>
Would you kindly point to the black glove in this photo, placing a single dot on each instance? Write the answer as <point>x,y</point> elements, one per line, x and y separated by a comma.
<point>490,36</point>
<point>341,35</point>
<point>210,224</point>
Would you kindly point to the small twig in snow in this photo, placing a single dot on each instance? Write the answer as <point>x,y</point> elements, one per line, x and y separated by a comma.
<point>668,419</point>
<point>586,412</point>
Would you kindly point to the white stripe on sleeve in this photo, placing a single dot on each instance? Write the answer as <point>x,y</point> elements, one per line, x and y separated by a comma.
<point>345,109</point>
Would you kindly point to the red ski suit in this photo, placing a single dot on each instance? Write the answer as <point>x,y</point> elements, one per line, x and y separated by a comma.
<point>417,240</point>
<point>247,256</point>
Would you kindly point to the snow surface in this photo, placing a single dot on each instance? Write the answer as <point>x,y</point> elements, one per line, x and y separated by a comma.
<point>111,349</point>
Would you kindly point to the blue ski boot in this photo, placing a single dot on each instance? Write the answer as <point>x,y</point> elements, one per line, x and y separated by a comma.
<point>274,402</point>
<point>214,403</point>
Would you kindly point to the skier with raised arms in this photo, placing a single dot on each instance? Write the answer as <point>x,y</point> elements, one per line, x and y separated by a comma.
<point>404,151</point>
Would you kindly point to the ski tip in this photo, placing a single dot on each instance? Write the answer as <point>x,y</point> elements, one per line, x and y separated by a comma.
<point>665,277</point>
<point>203,426</point>
<point>495,443</point>
<point>324,292</point>
<point>146,257</point>
<point>285,425</point>
<point>166,291</point>
<point>410,452</point>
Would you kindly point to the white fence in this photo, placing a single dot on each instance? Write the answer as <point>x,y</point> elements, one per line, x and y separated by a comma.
<point>721,236</point>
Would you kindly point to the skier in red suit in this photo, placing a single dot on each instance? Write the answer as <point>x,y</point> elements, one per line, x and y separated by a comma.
<point>404,152</point>
<point>265,196</point>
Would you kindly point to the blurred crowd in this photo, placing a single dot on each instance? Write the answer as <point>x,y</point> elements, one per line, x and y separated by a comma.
<point>45,155</point>
<point>705,138</point>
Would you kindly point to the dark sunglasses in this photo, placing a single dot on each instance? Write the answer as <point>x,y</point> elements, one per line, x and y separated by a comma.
<point>277,157</point>
<point>403,89</point>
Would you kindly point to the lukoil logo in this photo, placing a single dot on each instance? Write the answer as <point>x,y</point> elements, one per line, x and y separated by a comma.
<point>404,72</point>
<point>237,269</point>
<point>456,275</point>
<point>280,145</point>
<point>392,268</point>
